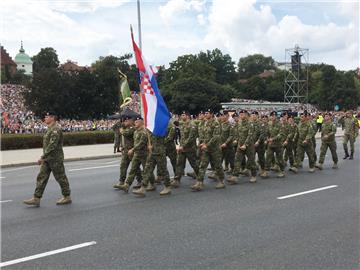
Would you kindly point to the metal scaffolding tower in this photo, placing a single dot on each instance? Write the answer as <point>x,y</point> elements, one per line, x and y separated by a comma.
<point>296,75</point>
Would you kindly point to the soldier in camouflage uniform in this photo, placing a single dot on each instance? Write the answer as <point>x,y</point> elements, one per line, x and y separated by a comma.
<point>187,148</point>
<point>117,136</point>
<point>156,157</point>
<point>351,130</point>
<point>244,137</point>
<point>138,153</point>
<point>290,144</point>
<point>210,152</point>
<point>303,136</point>
<point>313,139</point>
<point>170,145</point>
<point>127,132</point>
<point>226,142</point>
<point>260,133</point>
<point>52,160</point>
<point>275,140</point>
<point>328,131</point>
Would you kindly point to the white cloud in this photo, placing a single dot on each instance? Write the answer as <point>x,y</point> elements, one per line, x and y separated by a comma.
<point>241,29</point>
<point>83,6</point>
<point>171,11</point>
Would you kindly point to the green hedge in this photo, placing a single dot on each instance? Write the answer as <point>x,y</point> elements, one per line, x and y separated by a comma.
<point>26,141</point>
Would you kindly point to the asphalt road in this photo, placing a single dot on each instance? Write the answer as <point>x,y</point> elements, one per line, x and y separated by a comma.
<point>241,227</point>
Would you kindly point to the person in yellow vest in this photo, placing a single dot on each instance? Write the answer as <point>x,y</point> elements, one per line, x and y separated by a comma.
<point>319,122</point>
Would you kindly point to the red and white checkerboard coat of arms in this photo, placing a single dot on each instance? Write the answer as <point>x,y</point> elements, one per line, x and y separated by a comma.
<point>146,85</point>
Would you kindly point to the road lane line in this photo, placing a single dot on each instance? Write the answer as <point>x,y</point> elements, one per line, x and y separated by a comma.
<point>5,201</point>
<point>305,192</point>
<point>18,169</point>
<point>2,177</point>
<point>91,168</point>
<point>49,253</point>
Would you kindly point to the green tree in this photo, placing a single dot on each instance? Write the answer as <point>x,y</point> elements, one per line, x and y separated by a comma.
<point>254,64</point>
<point>45,59</point>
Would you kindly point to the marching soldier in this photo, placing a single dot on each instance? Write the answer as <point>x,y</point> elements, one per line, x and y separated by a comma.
<point>227,142</point>
<point>304,144</point>
<point>127,131</point>
<point>290,145</point>
<point>328,131</point>
<point>260,132</point>
<point>156,157</point>
<point>275,142</point>
<point>210,152</point>
<point>138,153</point>
<point>187,148</point>
<point>52,160</point>
<point>117,136</point>
<point>244,138</point>
<point>349,125</point>
<point>170,145</point>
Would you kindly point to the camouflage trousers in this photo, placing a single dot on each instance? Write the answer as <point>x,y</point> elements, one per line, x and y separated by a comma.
<point>228,155</point>
<point>117,140</point>
<point>136,161</point>
<point>240,155</point>
<point>181,162</point>
<point>159,161</point>
<point>214,158</point>
<point>313,140</point>
<point>260,151</point>
<point>323,148</point>
<point>278,152</point>
<point>124,165</point>
<point>171,153</point>
<point>58,170</point>
<point>301,149</point>
<point>351,139</point>
<point>289,154</point>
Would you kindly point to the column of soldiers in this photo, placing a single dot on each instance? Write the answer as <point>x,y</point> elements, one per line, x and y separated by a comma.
<point>241,144</point>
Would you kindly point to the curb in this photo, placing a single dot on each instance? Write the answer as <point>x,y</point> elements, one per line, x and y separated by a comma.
<point>65,160</point>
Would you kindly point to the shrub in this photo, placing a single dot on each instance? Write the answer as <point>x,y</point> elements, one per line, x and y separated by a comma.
<point>26,141</point>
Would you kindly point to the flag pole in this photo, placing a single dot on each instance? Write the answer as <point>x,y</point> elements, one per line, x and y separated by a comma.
<point>139,23</point>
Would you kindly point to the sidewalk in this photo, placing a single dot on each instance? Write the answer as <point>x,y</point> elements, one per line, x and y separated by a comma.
<point>30,156</point>
<point>83,152</point>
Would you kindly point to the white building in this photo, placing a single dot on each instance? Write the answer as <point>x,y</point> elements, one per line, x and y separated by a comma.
<point>23,61</point>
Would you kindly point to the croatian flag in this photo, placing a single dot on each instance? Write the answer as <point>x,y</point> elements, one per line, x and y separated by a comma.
<point>155,112</point>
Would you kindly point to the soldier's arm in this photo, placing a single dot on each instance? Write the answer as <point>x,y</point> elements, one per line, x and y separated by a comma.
<point>230,139</point>
<point>333,130</point>
<point>310,133</point>
<point>54,140</point>
<point>141,142</point>
<point>128,132</point>
<point>170,136</point>
<point>215,136</point>
<point>250,137</point>
<point>192,136</point>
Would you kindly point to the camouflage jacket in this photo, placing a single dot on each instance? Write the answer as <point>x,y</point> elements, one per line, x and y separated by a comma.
<point>328,129</point>
<point>128,135</point>
<point>158,145</point>
<point>141,141</point>
<point>244,133</point>
<point>170,137</point>
<point>349,125</point>
<point>188,134</point>
<point>304,132</point>
<point>212,130</point>
<point>53,143</point>
<point>276,132</point>
<point>226,134</point>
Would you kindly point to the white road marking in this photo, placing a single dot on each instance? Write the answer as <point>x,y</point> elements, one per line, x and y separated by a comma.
<point>49,253</point>
<point>5,201</point>
<point>17,169</point>
<point>2,177</point>
<point>91,168</point>
<point>114,161</point>
<point>306,192</point>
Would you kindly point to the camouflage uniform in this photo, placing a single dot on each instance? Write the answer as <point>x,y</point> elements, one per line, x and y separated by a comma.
<point>188,134</point>
<point>53,157</point>
<point>139,155</point>
<point>313,139</point>
<point>244,135</point>
<point>305,131</point>
<point>170,146</point>
<point>350,128</point>
<point>260,133</point>
<point>117,136</point>
<point>328,131</point>
<point>289,148</point>
<point>277,133</point>
<point>227,138</point>
<point>156,157</point>
<point>128,136</point>
<point>213,152</point>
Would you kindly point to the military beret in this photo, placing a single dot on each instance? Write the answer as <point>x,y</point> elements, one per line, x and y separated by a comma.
<point>255,112</point>
<point>126,117</point>
<point>264,116</point>
<point>219,114</point>
<point>138,118</point>
<point>201,112</point>
<point>243,111</point>
<point>273,113</point>
<point>235,114</point>
<point>209,111</point>
<point>185,112</point>
<point>50,113</point>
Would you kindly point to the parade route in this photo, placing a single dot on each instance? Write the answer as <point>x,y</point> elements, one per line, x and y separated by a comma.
<point>245,226</point>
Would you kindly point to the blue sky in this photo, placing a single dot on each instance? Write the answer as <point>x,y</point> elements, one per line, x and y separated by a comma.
<point>83,30</point>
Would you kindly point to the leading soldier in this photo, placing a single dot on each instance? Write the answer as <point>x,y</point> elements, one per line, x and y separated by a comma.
<point>52,160</point>
<point>349,125</point>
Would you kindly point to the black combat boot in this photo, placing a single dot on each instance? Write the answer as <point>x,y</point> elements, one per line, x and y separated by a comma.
<point>351,155</point>
<point>346,154</point>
